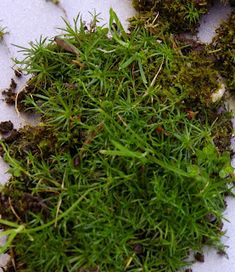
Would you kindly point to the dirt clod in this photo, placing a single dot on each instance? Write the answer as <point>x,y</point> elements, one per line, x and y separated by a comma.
<point>6,127</point>
<point>13,84</point>
<point>10,96</point>
<point>199,257</point>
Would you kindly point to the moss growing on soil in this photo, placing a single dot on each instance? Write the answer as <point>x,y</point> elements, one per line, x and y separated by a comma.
<point>129,167</point>
<point>223,50</point>
<point>179,15</point>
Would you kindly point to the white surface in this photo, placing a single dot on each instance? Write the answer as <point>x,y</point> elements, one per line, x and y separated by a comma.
<point>26,20</point>
<point>214,262</point>
<point>210,21</point>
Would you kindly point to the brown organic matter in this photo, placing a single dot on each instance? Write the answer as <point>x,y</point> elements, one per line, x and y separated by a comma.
<point>18,72</point>
<point>199,257</point>
<point>223,51</point>
<point>6,127</point>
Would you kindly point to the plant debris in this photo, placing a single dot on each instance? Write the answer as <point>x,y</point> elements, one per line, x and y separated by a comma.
<point>18,72</point>
<point>130,164</point>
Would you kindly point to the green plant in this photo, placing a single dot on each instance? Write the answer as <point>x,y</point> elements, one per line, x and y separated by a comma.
<point>223,51</point>
<point>2,32</point>
<point>124,172</point>
<point>193,15</point>
<point>179,15</point>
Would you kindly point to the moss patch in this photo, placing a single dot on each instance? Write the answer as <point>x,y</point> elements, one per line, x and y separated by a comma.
<point>223,50</point>
<point>179,15</point>
<point>129,167</point>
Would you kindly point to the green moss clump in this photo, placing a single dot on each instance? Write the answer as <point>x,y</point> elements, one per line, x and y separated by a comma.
<point>223,51</point>
<point>180,15</point>
<point>130,165</point>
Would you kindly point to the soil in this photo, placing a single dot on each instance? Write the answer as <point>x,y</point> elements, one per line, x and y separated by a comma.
<point>10,96</point>
<point>12,137</point>
<point>6,127</point>
<point>199,257</point>
<point>13,84</point>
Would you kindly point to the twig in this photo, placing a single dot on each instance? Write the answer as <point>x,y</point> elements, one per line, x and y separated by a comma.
<point>16,99</point>
<point>13,210</point>
<point>155,77</point>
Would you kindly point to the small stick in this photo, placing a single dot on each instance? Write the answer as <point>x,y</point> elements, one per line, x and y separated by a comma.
<point>155,77</point>
<point>13,210</point>
<point>16,99</point>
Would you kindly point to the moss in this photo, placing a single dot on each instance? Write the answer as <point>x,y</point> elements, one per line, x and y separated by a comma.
<point>223,51</point>
<point>131,162</point>
<point>180,15</point>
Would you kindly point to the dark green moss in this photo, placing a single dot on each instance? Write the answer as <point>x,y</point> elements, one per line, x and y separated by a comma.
<point>180,15</point>
<point>223,51</point>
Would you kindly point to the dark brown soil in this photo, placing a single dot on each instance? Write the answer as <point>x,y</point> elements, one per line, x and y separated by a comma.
<point>6,127</point>
<point>13,84</point>
<point>13,136</point>
<point>10,96</point>
<point>199,257</point>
